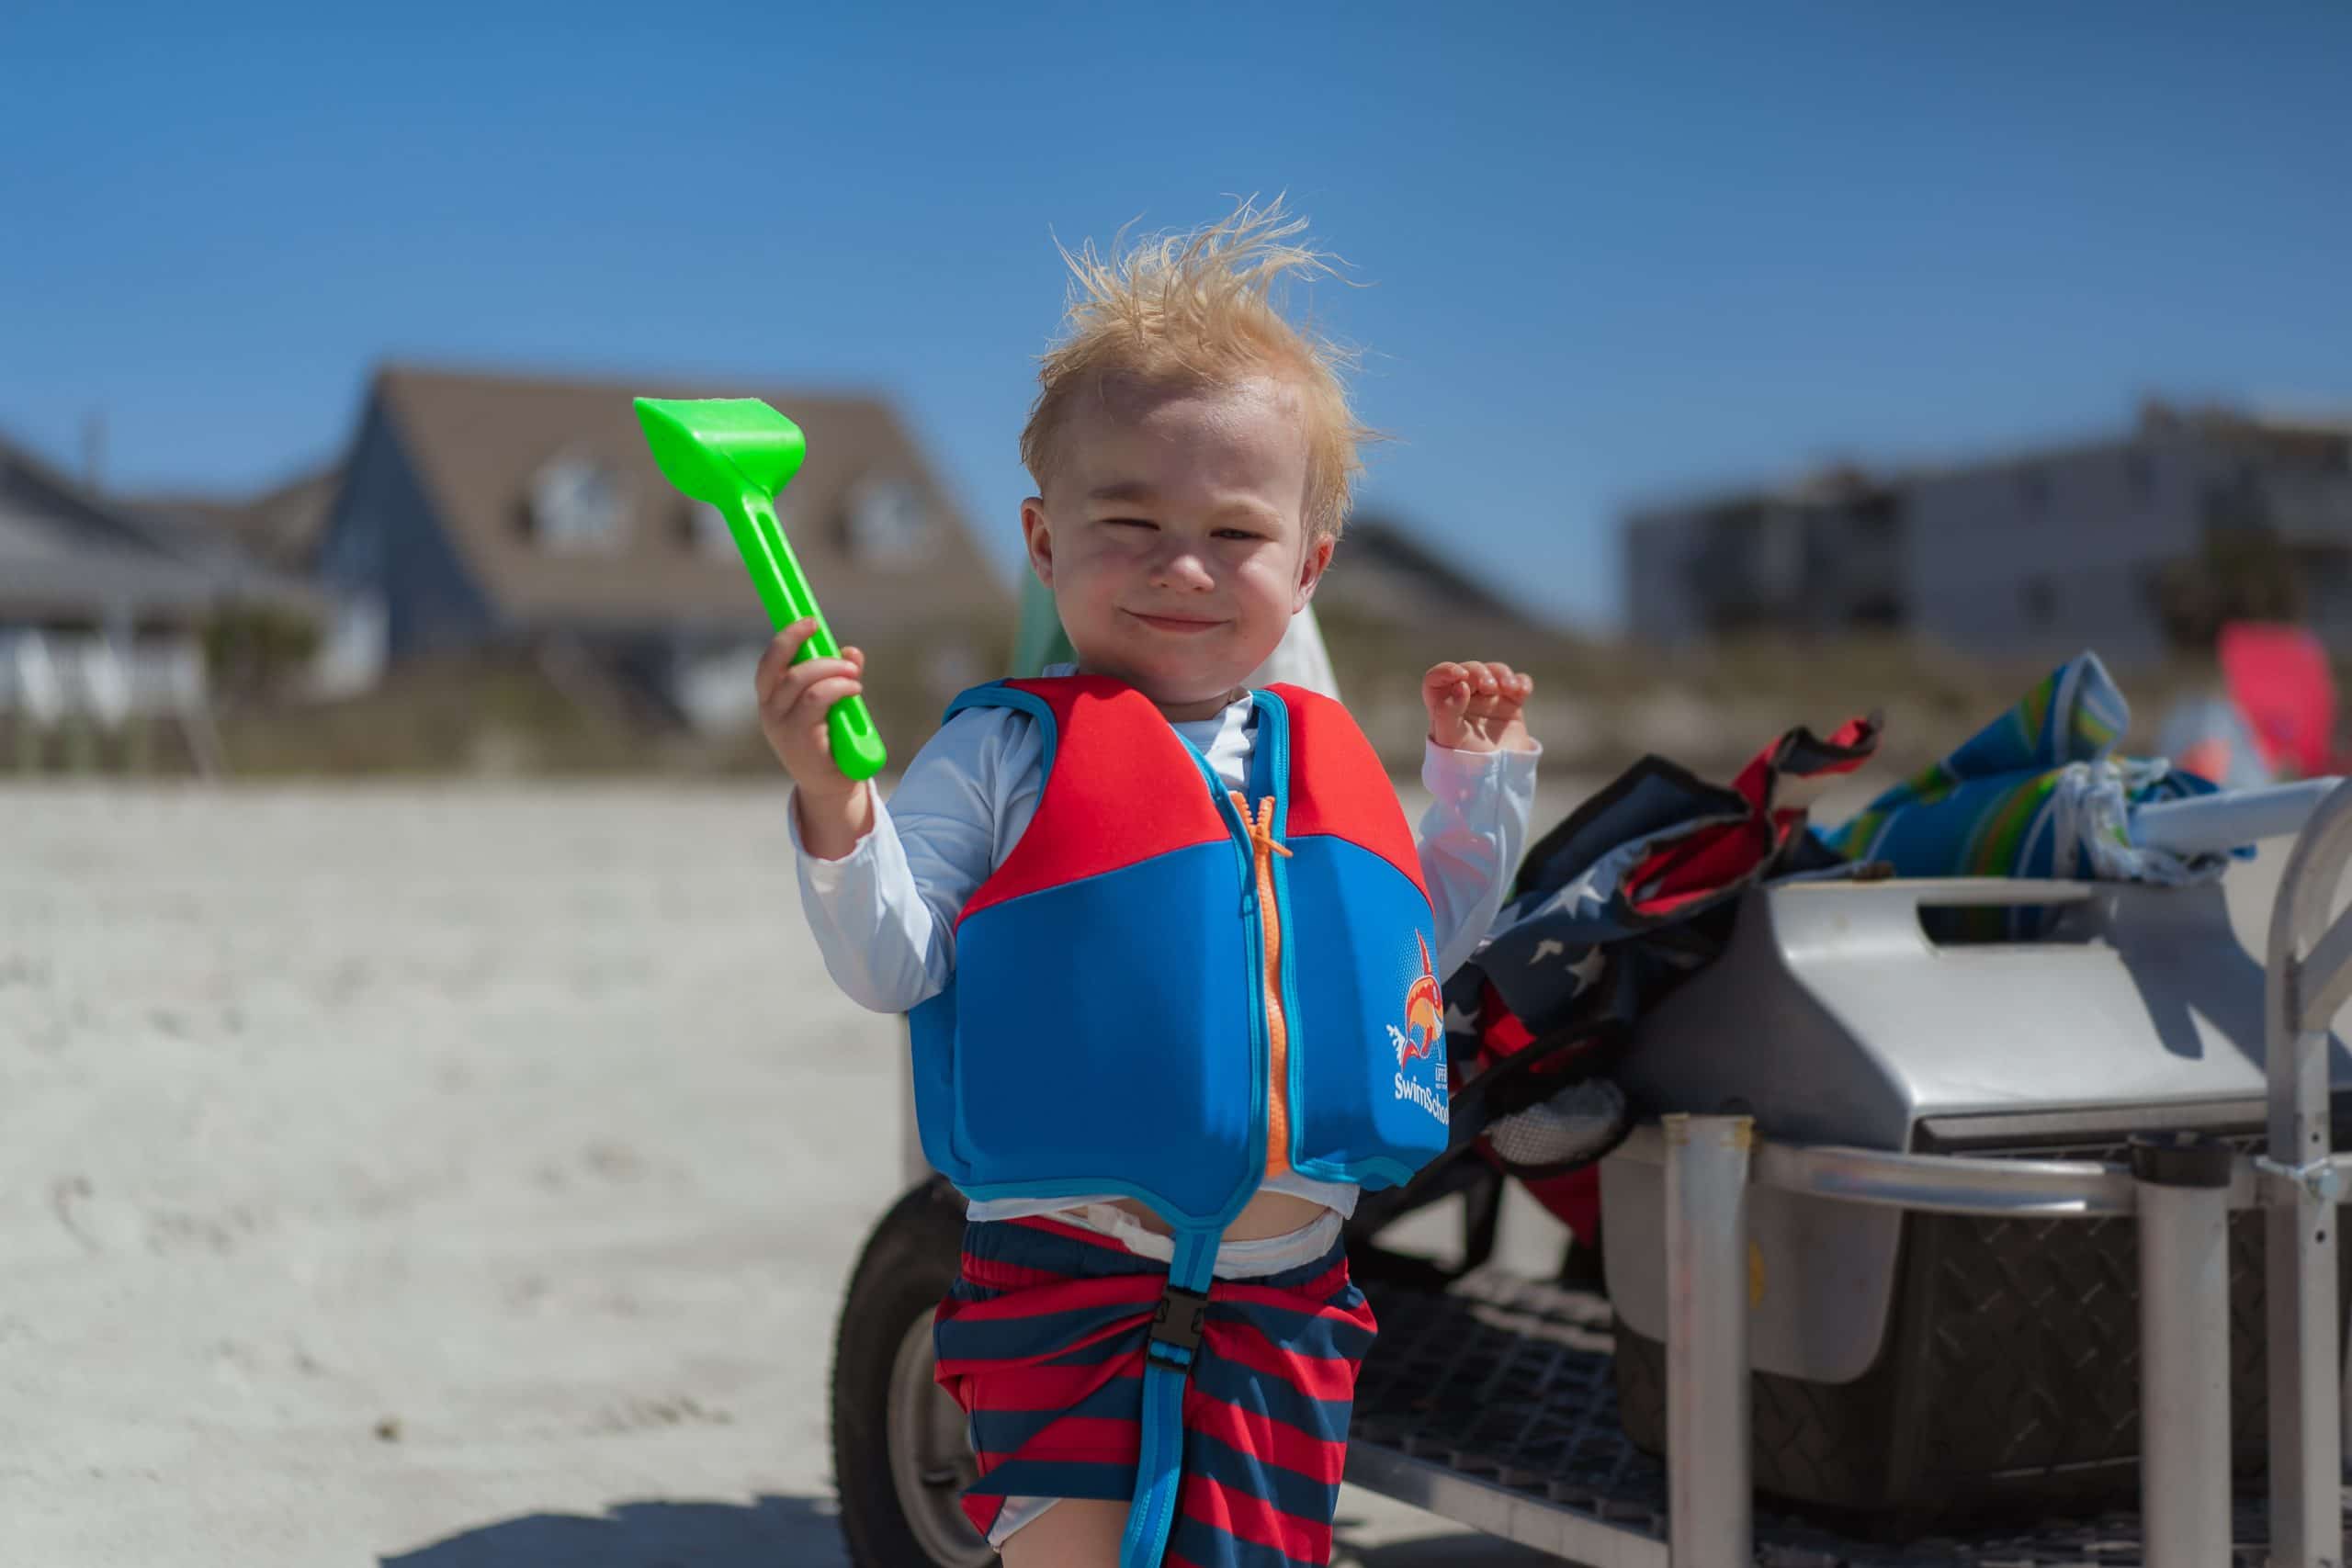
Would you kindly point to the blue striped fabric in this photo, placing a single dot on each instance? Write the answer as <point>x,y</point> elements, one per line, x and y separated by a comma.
<point>1042,1342</point>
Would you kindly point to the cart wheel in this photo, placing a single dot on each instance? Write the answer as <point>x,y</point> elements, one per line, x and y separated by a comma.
<point>901,1455</point>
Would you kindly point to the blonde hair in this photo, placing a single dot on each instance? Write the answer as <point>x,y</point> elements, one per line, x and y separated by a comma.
<point>1199,309</point>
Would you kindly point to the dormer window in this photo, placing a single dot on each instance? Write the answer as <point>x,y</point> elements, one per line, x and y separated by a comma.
<point>577,508</point>
<point>887,526</point>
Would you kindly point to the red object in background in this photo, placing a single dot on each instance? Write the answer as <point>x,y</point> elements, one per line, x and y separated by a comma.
<point>1574,1200</point>
<point>1689,868</point>
<point>2280,679</point>
<point>2209,758</point>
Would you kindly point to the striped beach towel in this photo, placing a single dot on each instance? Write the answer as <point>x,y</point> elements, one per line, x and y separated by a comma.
<point>1042,1342</point>
<point>2037,793</point>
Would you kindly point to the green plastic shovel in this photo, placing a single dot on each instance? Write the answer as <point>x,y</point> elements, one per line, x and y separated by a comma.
<point>737,454</point>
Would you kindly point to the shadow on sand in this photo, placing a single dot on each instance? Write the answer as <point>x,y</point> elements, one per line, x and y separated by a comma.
<point>775,1532</point>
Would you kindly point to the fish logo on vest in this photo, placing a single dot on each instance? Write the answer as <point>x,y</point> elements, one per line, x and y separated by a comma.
<point>1424,1012</point>
<point>1424,1031</point>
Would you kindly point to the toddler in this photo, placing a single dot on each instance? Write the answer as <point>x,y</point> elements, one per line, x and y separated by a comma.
<point>1171,951</point>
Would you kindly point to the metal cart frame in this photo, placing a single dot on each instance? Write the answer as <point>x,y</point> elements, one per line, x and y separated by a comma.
<point>2180,1193</point>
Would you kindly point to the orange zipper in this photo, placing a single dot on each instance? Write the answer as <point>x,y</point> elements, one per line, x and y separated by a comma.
<point>1260,828</point>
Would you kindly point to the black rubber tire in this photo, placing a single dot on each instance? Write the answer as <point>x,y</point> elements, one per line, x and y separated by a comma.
<point>908,1265</point>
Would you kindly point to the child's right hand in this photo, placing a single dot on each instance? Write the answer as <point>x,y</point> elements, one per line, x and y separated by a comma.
<point>793,699</point>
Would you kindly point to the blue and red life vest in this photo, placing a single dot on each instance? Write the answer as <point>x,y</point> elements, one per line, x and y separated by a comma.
<point>1168,992</point>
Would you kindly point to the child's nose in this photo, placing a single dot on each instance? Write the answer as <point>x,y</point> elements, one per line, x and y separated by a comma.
<point>1179,566</point>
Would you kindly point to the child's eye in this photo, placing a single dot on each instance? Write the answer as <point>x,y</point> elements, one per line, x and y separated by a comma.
<point>1238,533</point>
<point>1130,523</point>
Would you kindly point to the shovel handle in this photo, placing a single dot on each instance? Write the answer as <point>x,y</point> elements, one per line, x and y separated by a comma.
<point>767,555</point>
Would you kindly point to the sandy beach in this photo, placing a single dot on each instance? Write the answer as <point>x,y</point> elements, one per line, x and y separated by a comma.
<point>449,1176</point>
<point>434,1177</point>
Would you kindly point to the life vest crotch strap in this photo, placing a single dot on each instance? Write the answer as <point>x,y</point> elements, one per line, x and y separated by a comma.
<point>1169,1356</point>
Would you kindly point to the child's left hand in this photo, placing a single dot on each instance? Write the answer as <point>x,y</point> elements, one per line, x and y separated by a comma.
<point>1475,706</point>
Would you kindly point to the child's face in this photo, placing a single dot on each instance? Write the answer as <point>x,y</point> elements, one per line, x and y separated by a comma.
<point>1171,533</point>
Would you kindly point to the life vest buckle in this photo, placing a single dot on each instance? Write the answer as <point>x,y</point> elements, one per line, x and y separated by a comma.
<point>1177,1325</point>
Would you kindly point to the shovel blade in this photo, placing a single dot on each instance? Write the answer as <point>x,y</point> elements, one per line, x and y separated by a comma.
<point>715,448</point>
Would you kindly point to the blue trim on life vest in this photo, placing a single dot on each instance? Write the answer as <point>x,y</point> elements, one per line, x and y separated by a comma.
<point>996,694</point>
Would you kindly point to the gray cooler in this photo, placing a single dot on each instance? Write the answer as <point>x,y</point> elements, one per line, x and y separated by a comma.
<point>1930,1364</point>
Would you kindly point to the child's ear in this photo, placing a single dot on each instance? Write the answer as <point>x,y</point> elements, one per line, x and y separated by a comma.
<point>1036,533</point>
<point>1312,560</point>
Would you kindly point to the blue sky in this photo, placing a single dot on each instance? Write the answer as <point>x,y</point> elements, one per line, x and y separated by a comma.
<point>1610,253</point>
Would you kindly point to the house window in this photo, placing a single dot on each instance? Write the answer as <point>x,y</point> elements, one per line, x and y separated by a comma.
<point>576,507</point>
<point>887,524</point>
<point>2140,473</point>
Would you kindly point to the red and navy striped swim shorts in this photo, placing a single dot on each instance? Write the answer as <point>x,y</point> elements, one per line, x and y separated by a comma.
<point>1041,1343</point>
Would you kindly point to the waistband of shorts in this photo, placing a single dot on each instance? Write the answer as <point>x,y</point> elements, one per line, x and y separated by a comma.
<point>1250,1259</point>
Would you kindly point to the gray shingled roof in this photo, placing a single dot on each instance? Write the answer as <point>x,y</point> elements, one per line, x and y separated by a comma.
<point>280,527</point>
<point>477,440</point>
<point>66,554</point>
<point>1383,570</point>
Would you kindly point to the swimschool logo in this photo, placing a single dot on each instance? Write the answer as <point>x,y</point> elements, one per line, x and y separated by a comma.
<point>1423,1033</point>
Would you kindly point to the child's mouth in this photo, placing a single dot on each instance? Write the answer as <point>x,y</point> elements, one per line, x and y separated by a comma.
<point>1176,624</point>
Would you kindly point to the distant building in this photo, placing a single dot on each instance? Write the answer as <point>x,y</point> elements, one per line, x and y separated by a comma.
<point>279,528</point>
<point>104,610</point>
<point>2036,554</point>
<point>1383,574</point>
<point>477,512</point>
